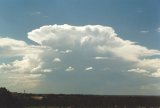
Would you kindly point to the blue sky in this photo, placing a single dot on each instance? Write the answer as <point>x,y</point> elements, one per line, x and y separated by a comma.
<point>127,17</point>
<point>125,73</point>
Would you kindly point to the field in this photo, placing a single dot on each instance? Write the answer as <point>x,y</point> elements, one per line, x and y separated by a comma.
<point>93,101</point>
<point>24,100</point>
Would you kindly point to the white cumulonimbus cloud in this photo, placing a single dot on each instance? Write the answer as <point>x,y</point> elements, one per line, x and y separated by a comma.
<point>75,46</point>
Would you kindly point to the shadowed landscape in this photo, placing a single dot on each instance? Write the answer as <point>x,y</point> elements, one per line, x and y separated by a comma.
<point>28,100</point>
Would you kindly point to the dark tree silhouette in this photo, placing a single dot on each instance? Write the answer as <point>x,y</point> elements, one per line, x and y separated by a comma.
<point>7,100</point>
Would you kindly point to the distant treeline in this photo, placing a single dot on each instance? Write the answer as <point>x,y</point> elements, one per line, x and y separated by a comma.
<point>21,100</point>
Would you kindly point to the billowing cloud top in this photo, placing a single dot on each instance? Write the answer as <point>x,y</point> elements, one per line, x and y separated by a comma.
<point>77,49</point>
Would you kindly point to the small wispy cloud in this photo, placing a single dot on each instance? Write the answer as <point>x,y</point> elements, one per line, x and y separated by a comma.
<point>35,13</point>
<point>69,69</point>
<point>47,70</point>
<point>101,58</point>
<point>57,60</point>
<point>156,74</point>
<point>144,31</point>
<point>66,51</point>
<point>158,29</point>
<point>89,68</point>
<point>138,70</point>
<point>38,13</point>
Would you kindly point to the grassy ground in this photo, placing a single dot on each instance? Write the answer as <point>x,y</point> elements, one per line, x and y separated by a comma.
<point>47,107</point>
<point>42,107</point>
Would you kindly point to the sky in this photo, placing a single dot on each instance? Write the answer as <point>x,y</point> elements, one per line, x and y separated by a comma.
<point>106,47</point>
